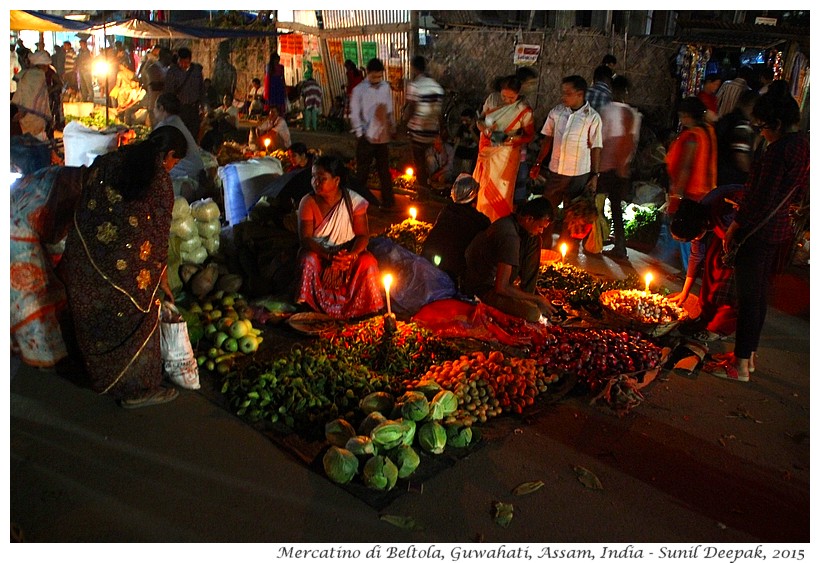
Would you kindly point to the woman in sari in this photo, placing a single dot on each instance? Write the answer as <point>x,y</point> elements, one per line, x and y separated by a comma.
<point>115,264</point>
<point>42,205</point>
<point>337,275</point>
<point>504,130</point>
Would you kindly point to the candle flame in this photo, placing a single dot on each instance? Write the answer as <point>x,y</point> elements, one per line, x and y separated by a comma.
<point>388,281</point>
<point>409,172</point>
<point>413,213</point>
<point>563,250</point>
<point>648,277</point>
<point>267,143</point>
<point>436,259</point>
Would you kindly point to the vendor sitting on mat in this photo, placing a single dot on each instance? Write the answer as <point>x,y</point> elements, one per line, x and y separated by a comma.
<point>502,262</point>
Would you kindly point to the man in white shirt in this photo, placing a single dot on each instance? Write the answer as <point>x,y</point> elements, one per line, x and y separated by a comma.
<point>573,132</point>
<point>371,116</point>
<point>276,128</point>
<point>423,114</point>
<point>166,112</point>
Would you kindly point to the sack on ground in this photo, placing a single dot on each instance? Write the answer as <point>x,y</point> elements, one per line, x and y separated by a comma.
<point>178,360</point>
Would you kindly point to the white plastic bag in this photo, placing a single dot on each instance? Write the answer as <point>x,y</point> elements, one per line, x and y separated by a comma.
<point>178,360</point>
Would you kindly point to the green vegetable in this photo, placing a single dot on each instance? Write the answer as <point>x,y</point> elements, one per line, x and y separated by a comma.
<point>443,404</point>
<point>360,445</point>
<point>388,434</point>
<point>432,437</point>
<point>340,465</point>
<point>406,459</point>
<point>416,408</point>
<point>459,436</point>
<point>338,432</point>
<point>378,401</point>
<point>380,473</point>
<point>370,422</point>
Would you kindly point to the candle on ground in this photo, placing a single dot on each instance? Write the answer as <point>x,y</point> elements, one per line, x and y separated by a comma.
<point>648,278</point>
<point>388,280</point>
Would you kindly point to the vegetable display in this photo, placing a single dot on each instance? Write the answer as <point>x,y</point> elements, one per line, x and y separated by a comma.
<point>410,234</point>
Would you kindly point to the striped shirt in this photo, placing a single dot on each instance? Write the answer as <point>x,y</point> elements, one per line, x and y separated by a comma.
<point>427,95</point>
<point>70,55</point>
<point>312,94</point>
<point>574,134</point>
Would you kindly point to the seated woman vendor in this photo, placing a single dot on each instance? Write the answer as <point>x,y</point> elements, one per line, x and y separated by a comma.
<point>502,262</point>
<point>336,274</point>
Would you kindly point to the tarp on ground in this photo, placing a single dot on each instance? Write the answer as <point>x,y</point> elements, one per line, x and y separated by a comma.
<point>29,20</point>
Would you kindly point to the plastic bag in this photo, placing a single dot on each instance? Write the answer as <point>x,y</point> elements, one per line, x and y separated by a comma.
<point>178,360</point>
<point>600,228</point>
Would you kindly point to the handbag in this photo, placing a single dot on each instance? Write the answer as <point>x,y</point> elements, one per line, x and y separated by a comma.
<point>727,259</point>
<point>178,360</point>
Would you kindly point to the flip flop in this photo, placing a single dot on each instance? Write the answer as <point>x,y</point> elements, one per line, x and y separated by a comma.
<point>726,370</point>
<point>731,356</point>
<point>155,397</point>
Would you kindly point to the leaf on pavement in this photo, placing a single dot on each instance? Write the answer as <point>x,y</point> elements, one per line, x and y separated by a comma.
<point>404,522</point>
<point>528,487</point>
<point>503,513</point>
<point>588,478</point>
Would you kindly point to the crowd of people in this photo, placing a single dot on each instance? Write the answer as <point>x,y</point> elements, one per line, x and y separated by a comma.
<point>106,226</point>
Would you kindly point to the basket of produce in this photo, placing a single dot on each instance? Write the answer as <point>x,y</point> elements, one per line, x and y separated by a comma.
<point>549,256</point>
<point>649,313</point>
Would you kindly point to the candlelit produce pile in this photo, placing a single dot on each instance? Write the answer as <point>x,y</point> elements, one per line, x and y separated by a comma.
<point>559,280</point>
<point>642,306</point>
<point>409,234</point>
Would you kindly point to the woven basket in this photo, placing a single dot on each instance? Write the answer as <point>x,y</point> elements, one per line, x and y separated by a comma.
<point>617,320</point>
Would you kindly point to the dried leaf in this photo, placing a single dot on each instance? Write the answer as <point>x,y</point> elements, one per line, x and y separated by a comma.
<point>528,487</point>
<point>404,522</point>
<point>503,513</point>
<point>588,478</point>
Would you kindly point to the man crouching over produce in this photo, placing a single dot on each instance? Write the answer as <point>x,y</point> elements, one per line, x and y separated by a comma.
<point>503,260</point>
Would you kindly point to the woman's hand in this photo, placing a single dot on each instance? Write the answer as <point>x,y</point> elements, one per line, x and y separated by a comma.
<point>344,259</point>
<point>679,297</point>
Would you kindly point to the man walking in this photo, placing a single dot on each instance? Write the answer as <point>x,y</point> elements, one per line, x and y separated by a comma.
<point>371,116</point>
<point>573,132</point>
<point>620,126</point>
<point>70,70</point>
<point>83,64</point>
<point>423,114</point>
<point>186,81</point>
<point>600,93</point>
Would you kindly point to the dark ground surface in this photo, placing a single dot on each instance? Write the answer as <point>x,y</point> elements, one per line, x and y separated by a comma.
<point>700,461</point>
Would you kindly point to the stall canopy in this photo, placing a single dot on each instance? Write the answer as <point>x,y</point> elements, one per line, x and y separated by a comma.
<point>28,20</point>
<point>167,30</point>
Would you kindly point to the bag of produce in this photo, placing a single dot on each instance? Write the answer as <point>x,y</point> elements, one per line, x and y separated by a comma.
<point>208,229</point>
<point>184,228</point>
<point>205,210</point>
<point>181,208</point>
<point>178,360</point>
<point>187,246</point>
<point>211,244</point>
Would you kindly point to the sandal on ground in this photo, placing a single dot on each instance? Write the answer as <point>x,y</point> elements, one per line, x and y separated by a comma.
<point>725,370</point>
<point>155,397</point>
<point>731,357</point>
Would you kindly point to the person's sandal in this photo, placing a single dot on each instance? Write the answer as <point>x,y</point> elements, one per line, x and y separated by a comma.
<point>155,397</point>
<point>726,370</point>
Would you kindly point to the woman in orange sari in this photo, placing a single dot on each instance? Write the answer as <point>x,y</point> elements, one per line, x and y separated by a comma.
<point>504,130</point>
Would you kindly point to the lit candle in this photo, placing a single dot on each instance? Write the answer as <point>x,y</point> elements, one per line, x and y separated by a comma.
<point>388,280</point>
<point>648,278</point>
<point>563,251</point>
<point>408,172</point>
<point>413,213</point>
<point>436,259</point>
<point>267,144</point>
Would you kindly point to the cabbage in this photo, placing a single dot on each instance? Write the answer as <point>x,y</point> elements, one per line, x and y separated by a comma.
<point>370,422</point>
<point>409,431</point>
<point>443,404</point>
<point>380,473</point>
<point>208,229</point>
<point>340,465</point>
<point>388,434</point>
<point>415,408</point>
<point>432,437</point>
<point>406,459</point>
<point>198,255</point>
<point>211,244</point>
<point>380,401</point>
<point>338,432</point>
<point>360,445</point>
<point>459,436</point>
<point>205,210</point>
<point>181,208</point>
<point>189,245</point>
<point>184,228</point>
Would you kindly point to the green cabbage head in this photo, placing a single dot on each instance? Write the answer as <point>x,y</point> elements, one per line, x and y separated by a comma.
<point>380,473</point>
<point>432,437</point>
<point>340,465</point>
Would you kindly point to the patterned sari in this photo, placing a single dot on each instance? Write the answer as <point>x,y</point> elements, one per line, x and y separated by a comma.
<point>497,165</point>
<point>40,219</point>
<point>359,292</point>
<point>114,260</point>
